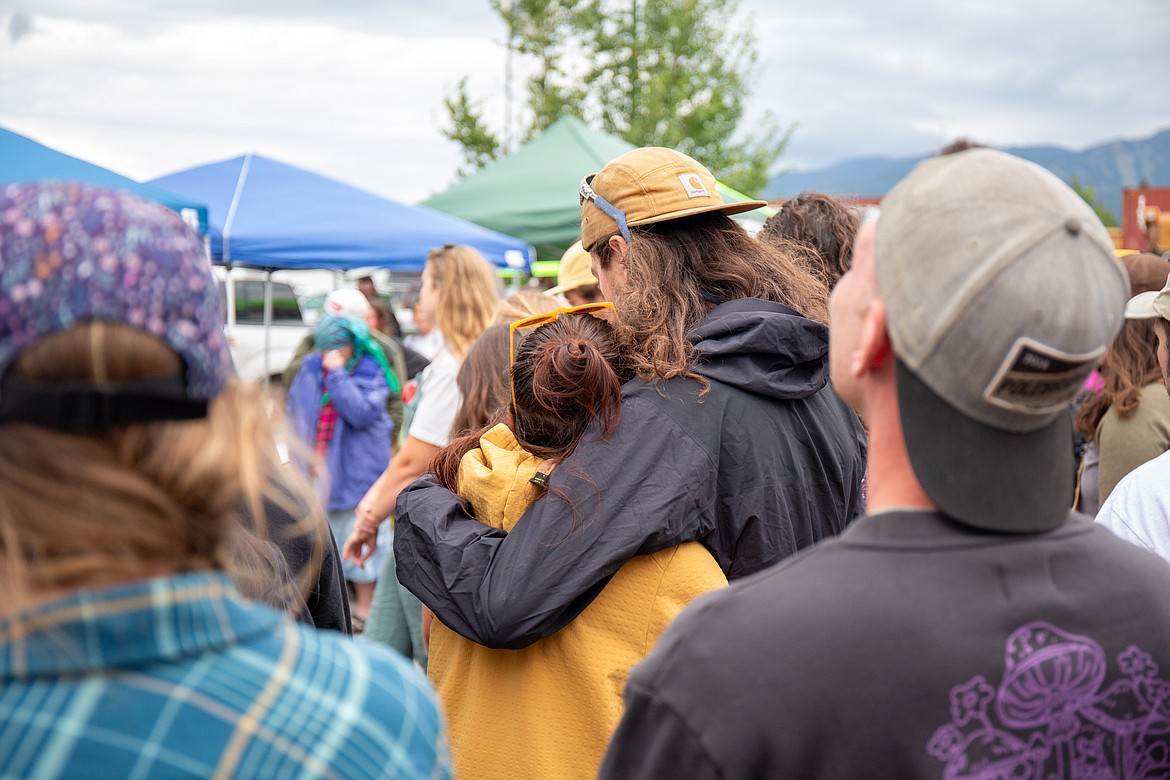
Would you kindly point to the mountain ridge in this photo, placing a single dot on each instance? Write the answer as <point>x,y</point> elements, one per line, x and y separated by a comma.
<point>1107,167</point>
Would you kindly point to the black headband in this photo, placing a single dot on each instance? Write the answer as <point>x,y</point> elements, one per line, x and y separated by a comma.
<point>87,407</point>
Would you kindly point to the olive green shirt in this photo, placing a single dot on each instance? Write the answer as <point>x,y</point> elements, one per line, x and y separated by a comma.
<point>1126,443</point>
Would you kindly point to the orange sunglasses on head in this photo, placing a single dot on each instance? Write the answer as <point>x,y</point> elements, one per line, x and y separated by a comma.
<point>536,321</point>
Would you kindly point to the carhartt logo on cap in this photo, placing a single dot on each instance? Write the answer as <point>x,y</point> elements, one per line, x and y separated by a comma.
<point>693,185</point>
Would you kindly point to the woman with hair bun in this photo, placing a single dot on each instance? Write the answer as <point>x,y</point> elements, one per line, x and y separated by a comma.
<point>561,697</point>
<point>483,377</point>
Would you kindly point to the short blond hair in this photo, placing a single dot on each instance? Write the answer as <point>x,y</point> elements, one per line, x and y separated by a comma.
<point>524,304</point>
<point>468,295</point>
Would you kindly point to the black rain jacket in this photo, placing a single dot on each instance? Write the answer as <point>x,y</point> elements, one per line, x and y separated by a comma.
<point>768,462</point>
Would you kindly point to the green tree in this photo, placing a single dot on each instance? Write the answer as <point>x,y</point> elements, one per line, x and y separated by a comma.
<point>544,31</point>
<point>1088,194</point>
<point>468,129</point>
<point>665,73</point>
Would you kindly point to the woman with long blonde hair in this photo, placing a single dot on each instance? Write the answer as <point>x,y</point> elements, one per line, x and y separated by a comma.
<point>459,292</point>
<point>127,450</point>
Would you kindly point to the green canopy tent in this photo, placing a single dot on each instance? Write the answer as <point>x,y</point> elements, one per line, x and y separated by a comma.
<point>532,193</point>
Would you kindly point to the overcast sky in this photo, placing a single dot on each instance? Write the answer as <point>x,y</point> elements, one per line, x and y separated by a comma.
<point>353,88</point>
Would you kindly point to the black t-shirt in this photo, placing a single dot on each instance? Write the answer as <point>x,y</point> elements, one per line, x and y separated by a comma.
<point>912,646</point>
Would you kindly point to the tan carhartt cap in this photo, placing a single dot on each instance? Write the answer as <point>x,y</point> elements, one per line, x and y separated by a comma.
<point>648,185</point>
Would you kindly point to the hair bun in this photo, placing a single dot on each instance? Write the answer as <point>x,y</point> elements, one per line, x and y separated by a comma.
<point>578,350</point>
<point>564,380</point>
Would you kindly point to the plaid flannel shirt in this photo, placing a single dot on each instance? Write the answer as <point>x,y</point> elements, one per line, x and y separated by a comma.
<point>180,677</point>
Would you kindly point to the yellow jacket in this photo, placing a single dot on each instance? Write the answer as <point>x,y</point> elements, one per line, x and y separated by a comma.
<point>547,711</point>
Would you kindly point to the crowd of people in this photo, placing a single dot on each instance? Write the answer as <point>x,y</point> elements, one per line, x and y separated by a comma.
<point>795,504</point>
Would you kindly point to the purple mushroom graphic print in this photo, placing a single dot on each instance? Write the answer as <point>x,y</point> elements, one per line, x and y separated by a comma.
<point>1053,716</point>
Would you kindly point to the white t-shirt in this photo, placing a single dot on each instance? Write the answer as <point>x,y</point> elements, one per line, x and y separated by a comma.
<point>1138,509</point>
<point>436,401</point>
<point>428,346</point>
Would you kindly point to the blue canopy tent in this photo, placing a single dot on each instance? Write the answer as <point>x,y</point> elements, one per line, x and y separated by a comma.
<point>269,215</point>
<point>23,159</point>
<point>273,216</point>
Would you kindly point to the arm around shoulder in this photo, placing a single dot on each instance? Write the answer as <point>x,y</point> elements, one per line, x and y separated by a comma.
<point>638,491</point>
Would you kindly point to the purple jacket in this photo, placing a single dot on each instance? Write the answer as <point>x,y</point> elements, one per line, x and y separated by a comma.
<point>360,449</point>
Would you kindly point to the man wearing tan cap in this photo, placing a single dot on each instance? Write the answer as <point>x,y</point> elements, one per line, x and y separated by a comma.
<point>729,434</point>
<point>575,280</point>
<point>1138,509</point>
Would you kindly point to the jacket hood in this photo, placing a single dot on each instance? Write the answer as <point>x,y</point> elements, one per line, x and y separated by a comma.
<point>496,478</point>
<point>764,348</point>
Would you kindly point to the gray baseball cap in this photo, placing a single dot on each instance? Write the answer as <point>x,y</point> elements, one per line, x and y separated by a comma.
<point>1002,294</point>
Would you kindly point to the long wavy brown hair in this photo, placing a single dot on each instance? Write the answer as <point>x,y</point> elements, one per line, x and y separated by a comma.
<point>148,499</point>
<point>823,224</point>
<point>673,271</point>
<point>483,382</point>
<point>567,373</point>
<point>1130,364</point>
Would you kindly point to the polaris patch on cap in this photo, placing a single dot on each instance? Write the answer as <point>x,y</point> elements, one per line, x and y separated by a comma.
<point>694,186</point>
<point>1036,379</point>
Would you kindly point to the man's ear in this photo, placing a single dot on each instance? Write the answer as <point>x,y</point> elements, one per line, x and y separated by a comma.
<point>618,249</point>
<point>873,348</point>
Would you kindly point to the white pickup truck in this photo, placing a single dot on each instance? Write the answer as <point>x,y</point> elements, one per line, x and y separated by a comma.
<point>257,351</point>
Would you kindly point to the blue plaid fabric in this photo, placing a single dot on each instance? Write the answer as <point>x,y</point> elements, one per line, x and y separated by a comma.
<point>181,677</point>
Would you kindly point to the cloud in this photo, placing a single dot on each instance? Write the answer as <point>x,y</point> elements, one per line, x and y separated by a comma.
<point>451,16</point>
<point>363,106</point>
<point>354,89</point>
<point>905,77</point>
<point>19,25</point>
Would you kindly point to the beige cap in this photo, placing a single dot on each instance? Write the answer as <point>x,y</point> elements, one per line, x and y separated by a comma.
<point>647,185</point>
<point>1149,305</point>
<point>576,270</point>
